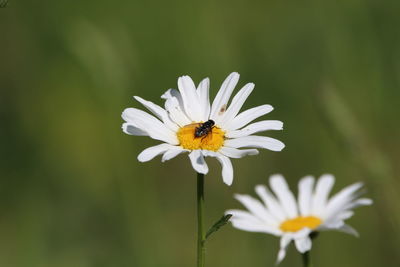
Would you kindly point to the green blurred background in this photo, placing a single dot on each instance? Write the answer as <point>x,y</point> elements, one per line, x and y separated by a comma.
<point>72,192</point>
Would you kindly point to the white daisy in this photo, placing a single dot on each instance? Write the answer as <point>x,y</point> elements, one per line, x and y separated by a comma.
<point>281,215</point>
<point>187,109</point>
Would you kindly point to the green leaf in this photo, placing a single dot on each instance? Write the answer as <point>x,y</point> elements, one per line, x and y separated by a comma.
<point>221,222</point>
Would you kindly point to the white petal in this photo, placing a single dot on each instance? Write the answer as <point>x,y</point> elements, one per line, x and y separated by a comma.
<point>155,109</point>
<point>246,221</point>
<point>303,244</point>
<point>203,94</point>
<point>255,141</point>
<point>240,217</point>
<point>190,98</point>
<point>344,212</point>
<point>302,233</point>
<point>151,152</point>
<point>159,112</point>
<point>236,104</point>
<point>227,169</point>
<point>256,127</point>
<point>243,215</point>
<point>148,123</point>
<point>246,225</point>
<point>345,215</point>
<point>271,203</point>
<point>279,186</point>
<point>175,108</point>
<point>237,153</point>
<point>359,202</point>
<point>221,99</point>
<point>198,162</point>
<point>128,128</point>
<point>172,153</point>
<point>257,209</point>
<point>331,224</point>
<point>348,230</point>
<point>172,93</point>
<point>209,153</point>
<point>247,116</point>
<point>322,190</point>
<point>285,241</point>
<point>305,195</point>
<point>339,201</point>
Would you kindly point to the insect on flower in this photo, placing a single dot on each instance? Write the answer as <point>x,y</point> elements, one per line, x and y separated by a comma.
<point>204,129</point>
<point>190,122</point>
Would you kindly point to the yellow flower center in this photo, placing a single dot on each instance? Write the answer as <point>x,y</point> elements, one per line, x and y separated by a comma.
<point>211,141</point>
<point>296,224</point>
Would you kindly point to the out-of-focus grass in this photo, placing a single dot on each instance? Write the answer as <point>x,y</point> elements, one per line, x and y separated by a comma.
<point>72,192</point>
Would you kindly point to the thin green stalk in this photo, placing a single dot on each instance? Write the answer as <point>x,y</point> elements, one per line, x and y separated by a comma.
<point>201,235</point>
<point>306,259</point>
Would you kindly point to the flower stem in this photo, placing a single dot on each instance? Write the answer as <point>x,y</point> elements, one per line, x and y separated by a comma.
<point>306,259</point>
<point>201,235</point>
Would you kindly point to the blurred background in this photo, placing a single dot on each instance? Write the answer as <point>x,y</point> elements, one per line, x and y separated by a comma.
<point>72,192</point>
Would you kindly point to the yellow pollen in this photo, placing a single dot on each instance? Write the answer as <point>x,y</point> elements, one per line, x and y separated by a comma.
<point>296,224</point>
<point>212,141</point>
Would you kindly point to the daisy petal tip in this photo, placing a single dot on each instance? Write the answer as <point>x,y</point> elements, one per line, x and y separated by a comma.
<point>306,179</point>
<point>277,177</point>
<point>259,187</point>
<point>281,256</point>
<point>185,78</point>
<point>227,179</point>
<point>234,74</point>
<point>229,212</point>
<point>368,202</point>
<point>303,244</point>
<point>167,94</point>
<point>206,80</point>
<point>141,158</point>
<point>145,156</point>
<point>268,107</point>
<point>349,230</point>
<point>201,169</point>
<point>125,113</point>
<point>276,146</point>
<point>238,196</point>
<point>204,171</point>
<point>280,147</point>
<point>328,176</point>
<point>228,182</point>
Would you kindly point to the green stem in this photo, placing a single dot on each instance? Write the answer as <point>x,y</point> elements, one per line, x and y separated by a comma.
<point>306,259</point>
<point>201,235</point>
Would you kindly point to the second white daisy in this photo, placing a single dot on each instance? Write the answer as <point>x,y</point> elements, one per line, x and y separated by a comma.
<point>190,123</point>
<point>281,215</point>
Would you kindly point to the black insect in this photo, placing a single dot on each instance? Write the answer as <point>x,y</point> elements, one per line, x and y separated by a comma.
<point>204,129</point>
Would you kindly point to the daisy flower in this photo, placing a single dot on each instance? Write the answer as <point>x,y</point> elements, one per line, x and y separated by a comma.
<point>190,123</point>
<point>281,215</point>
